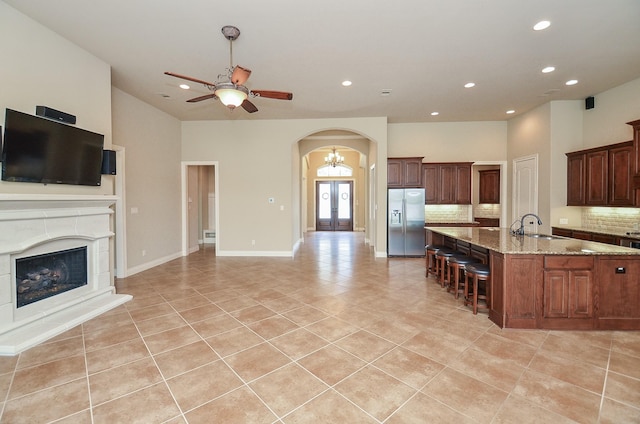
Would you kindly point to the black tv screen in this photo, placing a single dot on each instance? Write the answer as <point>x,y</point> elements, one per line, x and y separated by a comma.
<point>39,150</point>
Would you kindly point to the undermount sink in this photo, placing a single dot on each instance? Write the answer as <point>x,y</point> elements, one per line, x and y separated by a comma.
<point>543,236</point>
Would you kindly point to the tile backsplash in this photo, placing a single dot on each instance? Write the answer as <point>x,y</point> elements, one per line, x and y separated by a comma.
<point>614,219</point>
<point>448,213</point>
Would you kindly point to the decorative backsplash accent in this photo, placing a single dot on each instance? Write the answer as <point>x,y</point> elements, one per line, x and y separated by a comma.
<point>614,219</point>
<point>447,213</point>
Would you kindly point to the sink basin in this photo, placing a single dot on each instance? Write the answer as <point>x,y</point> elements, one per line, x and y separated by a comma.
<point>543,236</point>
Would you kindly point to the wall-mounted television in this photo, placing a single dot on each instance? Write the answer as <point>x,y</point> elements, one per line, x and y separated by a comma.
<point>40,150</point>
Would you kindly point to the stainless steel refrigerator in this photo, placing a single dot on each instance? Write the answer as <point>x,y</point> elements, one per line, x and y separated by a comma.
<point>405,222</point>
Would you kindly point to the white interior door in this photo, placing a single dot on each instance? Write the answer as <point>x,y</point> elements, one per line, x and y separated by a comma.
<point>525,188</point>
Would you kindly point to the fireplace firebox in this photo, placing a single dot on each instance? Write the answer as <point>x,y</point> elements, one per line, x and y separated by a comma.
<point>41,276</point>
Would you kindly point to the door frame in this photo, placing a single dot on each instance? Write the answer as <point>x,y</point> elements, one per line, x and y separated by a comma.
<point>184,178</point>
<point>351,180</point>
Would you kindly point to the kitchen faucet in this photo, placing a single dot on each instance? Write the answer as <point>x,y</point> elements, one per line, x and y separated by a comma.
<point>520,231</point>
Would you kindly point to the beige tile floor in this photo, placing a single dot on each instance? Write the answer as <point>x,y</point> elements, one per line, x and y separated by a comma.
<point>332,335</point>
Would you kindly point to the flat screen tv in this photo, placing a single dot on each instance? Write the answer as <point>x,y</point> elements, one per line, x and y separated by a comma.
<point>40,150</point>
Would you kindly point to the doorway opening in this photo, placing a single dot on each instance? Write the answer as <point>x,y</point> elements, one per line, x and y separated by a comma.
<point>199,206</point>
<point>334,206</point>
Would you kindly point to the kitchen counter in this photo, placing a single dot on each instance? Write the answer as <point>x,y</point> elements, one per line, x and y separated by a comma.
<point>616,233</point>
<point>558,284</point>
<point>502,241</point>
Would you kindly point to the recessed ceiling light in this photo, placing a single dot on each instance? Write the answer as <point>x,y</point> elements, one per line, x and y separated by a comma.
<point>548,69</point>
<point>184,86</point>
<point>572,82</point>
<point>541,25</point>
<point>470,84</point>
<point>509,112</point>
<point>435,113</point>
<point>346,83</point>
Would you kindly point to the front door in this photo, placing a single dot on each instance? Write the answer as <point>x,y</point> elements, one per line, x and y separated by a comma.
<point>334,210</point>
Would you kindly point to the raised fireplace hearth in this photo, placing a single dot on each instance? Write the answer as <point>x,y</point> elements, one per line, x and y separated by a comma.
<point>55,266</point>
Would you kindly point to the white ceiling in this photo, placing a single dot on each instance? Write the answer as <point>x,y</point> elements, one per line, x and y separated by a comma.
<point>423,50</point>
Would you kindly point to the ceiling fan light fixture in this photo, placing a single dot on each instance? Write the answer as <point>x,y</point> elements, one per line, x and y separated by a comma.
<point>231,95</point>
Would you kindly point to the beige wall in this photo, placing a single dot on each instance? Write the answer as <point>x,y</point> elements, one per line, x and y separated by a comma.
<point>151,139</point>
<point>558,127</point>
<point>606,122</point>
<point>258,160</point>
<point>38,67</point>
<point>449,141</point>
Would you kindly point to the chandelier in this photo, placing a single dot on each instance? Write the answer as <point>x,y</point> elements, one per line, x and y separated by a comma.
<point>334,158</point>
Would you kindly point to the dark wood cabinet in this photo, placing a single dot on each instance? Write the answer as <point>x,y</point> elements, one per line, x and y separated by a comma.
<point>576,179</point>
<point>489,186</point>
<point>430,182</point>
<point>447,183</point>
<point>487,222</point>
<point>621,162</point>
<point>602,176</point>
<point>568,287</point>
<point>562,232</point>
<point>585,235</point>
<point>618,292</point>
<point>404,172</point>
<point>597,178</point>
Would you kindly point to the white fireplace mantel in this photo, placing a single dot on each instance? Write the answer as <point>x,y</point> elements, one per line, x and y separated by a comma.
<point>34,224</point>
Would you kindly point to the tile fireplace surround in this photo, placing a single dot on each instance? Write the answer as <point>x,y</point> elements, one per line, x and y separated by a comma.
<point>38,224</point>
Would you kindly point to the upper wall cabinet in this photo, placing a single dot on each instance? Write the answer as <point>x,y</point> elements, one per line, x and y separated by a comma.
<point>489,186</point>
<point>447,183</point>
<point>602,176</point>
<point>404,172</point>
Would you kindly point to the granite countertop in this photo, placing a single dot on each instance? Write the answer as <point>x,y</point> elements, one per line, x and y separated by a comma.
<point>500,240</point>
<point>617,233</point>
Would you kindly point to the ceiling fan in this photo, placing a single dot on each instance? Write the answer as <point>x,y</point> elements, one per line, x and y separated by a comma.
<point>231,91</point>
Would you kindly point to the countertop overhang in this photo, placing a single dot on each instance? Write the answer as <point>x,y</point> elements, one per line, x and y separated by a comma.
<point>501,240</point>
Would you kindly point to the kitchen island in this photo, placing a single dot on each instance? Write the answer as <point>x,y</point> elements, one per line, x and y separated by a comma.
<point>554,282</point>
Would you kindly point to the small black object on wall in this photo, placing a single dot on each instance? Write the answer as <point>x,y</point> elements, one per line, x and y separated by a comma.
<point>589,102</point>
<point>56,115</point>
<point>108,162</point>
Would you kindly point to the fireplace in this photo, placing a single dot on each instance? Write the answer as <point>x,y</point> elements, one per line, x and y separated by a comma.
<point>41,276</point>
<point>55,266</point>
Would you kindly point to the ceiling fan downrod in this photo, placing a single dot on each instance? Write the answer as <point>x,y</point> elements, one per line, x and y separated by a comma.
<point>231,33</point>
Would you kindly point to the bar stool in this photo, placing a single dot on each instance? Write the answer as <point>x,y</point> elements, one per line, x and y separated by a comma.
<point>479,273</point>
<point>457,264</point>
<point>432,263</point>
<point>441,257</point>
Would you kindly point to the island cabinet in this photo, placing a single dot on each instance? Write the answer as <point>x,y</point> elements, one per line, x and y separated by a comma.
<point>447,183</point>
<point>516,290</point>
<point>404,172</point>
<point>618,293</point>
<point>557,284</point>
<point>567,290</point>
<point>601,176</point>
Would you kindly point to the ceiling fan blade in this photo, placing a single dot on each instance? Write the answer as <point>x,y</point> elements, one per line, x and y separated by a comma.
<point>248,106</point>
<point>201,98</point>
<point>184,77</point>
<point>269,94</point>
<point>240,75</point>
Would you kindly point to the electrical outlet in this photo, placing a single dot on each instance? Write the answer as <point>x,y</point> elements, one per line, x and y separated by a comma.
<point>144,252</point>
<point>564,221</point>
<point>253,242</point>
